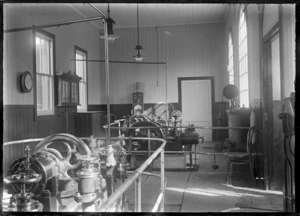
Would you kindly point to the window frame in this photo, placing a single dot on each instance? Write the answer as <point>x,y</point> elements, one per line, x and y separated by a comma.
<point>230,35</point>
<point>243,9</point>
<point>77,48</point>
<point>52,37</point>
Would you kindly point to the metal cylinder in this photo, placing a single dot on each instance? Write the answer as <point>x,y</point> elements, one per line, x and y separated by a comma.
<point>88,181</point>
<point>234,121</point>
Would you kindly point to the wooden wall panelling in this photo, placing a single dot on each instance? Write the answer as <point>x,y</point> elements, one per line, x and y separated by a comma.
<point>219,108</point>
<point>257,122</point>
<point>79,125</point>
<point>19,124</point>
<point>89,123</point>
<point>278,175</point>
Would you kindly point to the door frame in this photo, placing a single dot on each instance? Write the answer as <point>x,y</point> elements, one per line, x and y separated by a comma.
<point>267,102</point>
<point>211,78</point>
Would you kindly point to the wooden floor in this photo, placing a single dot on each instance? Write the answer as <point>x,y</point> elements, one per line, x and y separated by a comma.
<point>206,189</point>
<point>195,191</point>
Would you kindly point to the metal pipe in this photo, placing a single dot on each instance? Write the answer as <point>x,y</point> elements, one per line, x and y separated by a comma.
<point>130,62</point>
<point>22,141</point>
<point>199,127</point>
<point>144,173</point>
<point>167,107</point>
<point>136,195</point>
<point>52,25</point>
<point>107,80</point>
<point>162,185</point>
<point>139,194</point>
<point>182,152</point>
<point>149,146</point>
<point>99,11</point>
<point>118,193</point>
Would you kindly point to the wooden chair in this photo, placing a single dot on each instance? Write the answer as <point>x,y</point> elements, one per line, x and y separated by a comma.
<point>242,157</point>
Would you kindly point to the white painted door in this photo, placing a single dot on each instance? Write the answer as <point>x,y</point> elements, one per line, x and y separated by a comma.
<point>196,105</point>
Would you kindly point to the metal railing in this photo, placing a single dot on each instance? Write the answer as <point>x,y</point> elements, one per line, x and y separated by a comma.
<point>136,178</point>
<point>119,127</point>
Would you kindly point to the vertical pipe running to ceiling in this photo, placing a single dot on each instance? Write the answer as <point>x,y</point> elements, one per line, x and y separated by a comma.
<point>107,80</point>
<point>138,26</point>
<point>167,105</point>
<point>156,55</point>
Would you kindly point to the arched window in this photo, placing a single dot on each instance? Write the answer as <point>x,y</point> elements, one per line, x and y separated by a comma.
<point>230,69</point>
<point>243,61</point>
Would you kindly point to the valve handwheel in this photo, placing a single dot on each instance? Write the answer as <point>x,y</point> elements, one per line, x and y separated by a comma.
<point>23,201</point>
<point>22,178</point>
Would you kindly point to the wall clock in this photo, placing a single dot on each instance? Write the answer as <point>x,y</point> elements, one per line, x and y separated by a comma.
<point>26,82</point>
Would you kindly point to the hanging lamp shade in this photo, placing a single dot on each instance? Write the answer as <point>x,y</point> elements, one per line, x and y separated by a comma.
<point>139,56</point>
<point>110,32</point>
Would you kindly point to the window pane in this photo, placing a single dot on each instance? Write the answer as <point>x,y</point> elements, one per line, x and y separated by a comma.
<point>45,52</point>
<point>83,99</point>
<point>276,85</point>
<point>81,71</point>
<point>39,90</point>
<point>38,54</point>
<point>44,74</point>
<point>243,61</point>
<point>230,60</point>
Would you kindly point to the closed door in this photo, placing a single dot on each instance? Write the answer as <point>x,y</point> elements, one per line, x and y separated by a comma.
<point>196,102</point>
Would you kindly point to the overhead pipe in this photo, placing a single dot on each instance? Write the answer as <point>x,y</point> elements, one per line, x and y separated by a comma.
<point>52,24</point>
<point>126,62</point>
<point>97,10</point>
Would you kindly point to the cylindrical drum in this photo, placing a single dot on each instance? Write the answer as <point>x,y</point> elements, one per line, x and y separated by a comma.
<point>234,134</point>
<point>87,182</point>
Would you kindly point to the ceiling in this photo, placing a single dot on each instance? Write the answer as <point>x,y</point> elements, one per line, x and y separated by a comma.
<point>125,14</point>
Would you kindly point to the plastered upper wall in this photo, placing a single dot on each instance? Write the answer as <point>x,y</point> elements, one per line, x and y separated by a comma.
<point>18,46</point>
<point>288,48</point>
<point>270,18</point>
<point>188,50</point>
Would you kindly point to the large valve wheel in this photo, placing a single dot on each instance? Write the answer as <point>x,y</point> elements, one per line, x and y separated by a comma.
<point>54,144</point>
<point>155,132</point>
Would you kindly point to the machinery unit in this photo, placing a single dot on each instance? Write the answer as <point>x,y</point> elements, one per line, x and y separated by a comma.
<point>177,139</point>
<point>64,174</point>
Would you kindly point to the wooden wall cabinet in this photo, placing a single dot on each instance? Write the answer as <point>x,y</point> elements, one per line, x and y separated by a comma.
<point>67,87</point>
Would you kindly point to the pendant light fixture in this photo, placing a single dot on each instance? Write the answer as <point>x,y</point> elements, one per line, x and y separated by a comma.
<point>110,32</point>
<point>138,57</point>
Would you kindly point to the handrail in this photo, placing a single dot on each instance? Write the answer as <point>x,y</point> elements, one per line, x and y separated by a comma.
<point>136,178</point>
<point>198,127</point>
<point>22,141</point>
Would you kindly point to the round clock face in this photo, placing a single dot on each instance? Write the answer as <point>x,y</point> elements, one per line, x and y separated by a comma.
<point>26,82</point>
